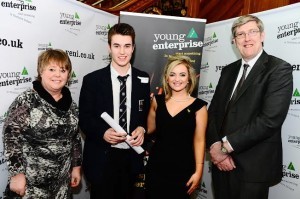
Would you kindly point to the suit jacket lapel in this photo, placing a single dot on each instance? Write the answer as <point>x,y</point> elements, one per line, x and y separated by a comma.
<point>231,79</point>
<point>134,96</point>
<point>107,89</point>
<point>135,88</point>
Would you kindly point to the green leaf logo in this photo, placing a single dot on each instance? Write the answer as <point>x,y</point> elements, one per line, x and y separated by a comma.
<point>76,16</point>
<point>296,93</point>
<point>214,35</point>
<point>73,74</point>
<point>291,166</point>
<point>192,34</point>
<point>24,72</point>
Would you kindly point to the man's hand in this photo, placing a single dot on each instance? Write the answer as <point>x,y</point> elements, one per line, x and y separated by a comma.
<point>216,154</point>
<point>227,164</point>
<point>113,137</point>
<point>137,136</point>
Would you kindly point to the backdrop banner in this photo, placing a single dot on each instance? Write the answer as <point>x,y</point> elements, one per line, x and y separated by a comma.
<point>158,37</point>
<point>29,27</point>
<point>282,28</point>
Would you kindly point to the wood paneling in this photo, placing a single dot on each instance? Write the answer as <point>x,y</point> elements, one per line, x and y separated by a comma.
<point>211,10</point>
<point>130,6</point>
<point>258,6</point>
<point>217,10</point>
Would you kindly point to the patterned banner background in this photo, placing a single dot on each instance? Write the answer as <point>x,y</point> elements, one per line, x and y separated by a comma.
<point>282,28</point>
<point>27,27</point>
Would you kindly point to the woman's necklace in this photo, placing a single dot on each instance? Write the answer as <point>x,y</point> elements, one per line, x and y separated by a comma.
<point>181,100</point>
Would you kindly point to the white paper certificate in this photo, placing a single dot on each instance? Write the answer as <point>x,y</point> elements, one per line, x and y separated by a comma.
<point>109,120</point>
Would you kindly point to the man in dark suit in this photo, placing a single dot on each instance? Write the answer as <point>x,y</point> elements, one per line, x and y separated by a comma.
<point>246,116</point>
<point>109,164</point>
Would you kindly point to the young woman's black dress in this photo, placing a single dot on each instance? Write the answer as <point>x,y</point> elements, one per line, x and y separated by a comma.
<point>171,161</point>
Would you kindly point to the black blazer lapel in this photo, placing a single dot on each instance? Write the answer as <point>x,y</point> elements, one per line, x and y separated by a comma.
<point>232,74</point>
<point>107,89</point>
<point>136,89</point>
<point>139,102</point>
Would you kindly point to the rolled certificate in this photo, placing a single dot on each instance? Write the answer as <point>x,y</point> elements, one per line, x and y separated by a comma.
<point>109,120</point>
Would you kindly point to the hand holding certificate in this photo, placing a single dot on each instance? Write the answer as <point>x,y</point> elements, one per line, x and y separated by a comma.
<point>109,120</point>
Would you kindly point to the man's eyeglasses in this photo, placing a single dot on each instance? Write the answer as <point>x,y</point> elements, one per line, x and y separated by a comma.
<point>251,33</point>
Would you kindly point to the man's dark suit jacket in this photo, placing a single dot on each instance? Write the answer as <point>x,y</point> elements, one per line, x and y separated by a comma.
<point>255,117</point>
<point>95,98</point>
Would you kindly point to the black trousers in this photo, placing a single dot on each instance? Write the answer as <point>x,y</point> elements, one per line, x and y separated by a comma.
<point>228,185</point>
<point>118,181</point>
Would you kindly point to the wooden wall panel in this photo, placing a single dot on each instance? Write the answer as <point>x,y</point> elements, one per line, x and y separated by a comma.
<point>211,10</point>
<point>214,10</point>
<point>217,10</point>
<point>128,6</point>
<point>262,5</point>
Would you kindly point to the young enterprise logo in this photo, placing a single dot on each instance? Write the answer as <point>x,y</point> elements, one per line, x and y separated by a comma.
<point>204,67</point>
<point>176,41</point>
<point>71,20</point>
<point>72,83</point>
<point>73,79</point>
<point>14,78</point>
<point>290,177</point>
<point>102,31</point>
<point>290,171</point>
<point>206,92</point>
<point>295,98</point>
<point>294,141</point>
<point>45,46</point>
<point>20,5</point>
<point>289,30</point>
<point>210,41</point>
<point>23,10</point>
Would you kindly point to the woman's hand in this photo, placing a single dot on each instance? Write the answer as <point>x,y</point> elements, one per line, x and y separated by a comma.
<point>193,183</point>
<point>75,176</point>
<point>18,184</point>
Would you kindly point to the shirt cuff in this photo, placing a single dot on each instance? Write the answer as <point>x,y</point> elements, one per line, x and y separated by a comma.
<point>214,144</point>
<point>143,129</point>
<point>224,139</point>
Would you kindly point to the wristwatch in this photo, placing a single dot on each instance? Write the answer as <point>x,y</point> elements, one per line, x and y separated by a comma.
<point>224,150</point>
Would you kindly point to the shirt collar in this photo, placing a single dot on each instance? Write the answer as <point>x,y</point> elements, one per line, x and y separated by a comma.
<point>115,74</point>
<point>252,61</point>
